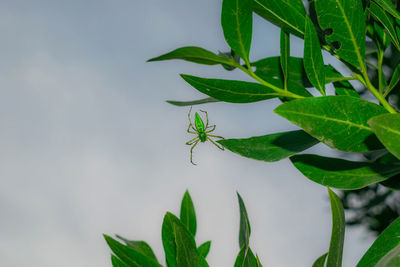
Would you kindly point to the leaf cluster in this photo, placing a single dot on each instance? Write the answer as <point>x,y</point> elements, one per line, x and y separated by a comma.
<point>178,238</point>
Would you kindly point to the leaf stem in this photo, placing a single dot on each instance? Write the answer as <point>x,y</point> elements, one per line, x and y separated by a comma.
<point>380,71</point>
<point>364,79</point>
<point>280,91</point>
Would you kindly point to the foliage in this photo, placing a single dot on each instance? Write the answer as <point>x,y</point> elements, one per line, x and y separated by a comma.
<point>361,34</point>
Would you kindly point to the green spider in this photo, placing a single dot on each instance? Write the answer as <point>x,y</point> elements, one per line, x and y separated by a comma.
<point>201,132</point>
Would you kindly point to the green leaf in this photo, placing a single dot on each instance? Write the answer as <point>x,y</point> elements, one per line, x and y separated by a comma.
<point>246,258</point>
<point>386,241</point>
<point>186,250</point>
<point>204,248</point>
<point>237,24</point>
<point>168,239</point>
<point>343,174</point>
<point>346,19</point>
<point>272,147</point>
<point>139,246</point>
<point>320,262</point>
<point>128,255</point>
<point>386,21</point>
<point>389,7</point>
<point>285,55</point>
<point>338,121</point>
<point>244,232</point>
<point>391,259</point>
<point>192,103</point>
<point>395,79</point>
<point>193,54</point>
<point>117,262</point>
<point>286,14</point>
<point>338,226</point>
<point>345,88</point>
<point>269,68</point>
<point>179,245</point>
<point>387,128</point>
<point>231,91</point>
<point>188,215</point>
<point>313,61</point>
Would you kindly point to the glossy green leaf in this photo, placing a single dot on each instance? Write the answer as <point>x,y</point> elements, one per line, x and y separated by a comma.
<point>389,7</point>
<point>345,88</point>
<point>231,91</point>
<point>204,248</point>
<point>272,147</point>
<point>335,253</point>
<point>188,215</point>
<point>192,103</point>
<point>244,231</point>
<point>320,262</point>
<point>269,68</point>
<point>117,262</point>
<point>186,250</point>
<point>237,24</point>
<point>140,246</point>
<point>313,61</point>
<point>338,121</point>
<point>285,55</point>
<point>346,20</point>
<point>128,255</point>
<point>386,21</point>
<point>386,241</point>
<point>246,258</point>
<point>168,239</point>
<point>287,14</point>
<point>193,54</point>
<point>387,128</point>
<point>391,259</point>
<point>343,174</point>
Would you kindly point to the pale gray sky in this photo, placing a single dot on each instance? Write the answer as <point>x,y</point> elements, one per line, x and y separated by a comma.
<point>88,145</point>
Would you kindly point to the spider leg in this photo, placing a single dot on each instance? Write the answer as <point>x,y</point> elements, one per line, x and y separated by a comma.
<point>188,129</point>
<point>192,141</point>
<point>206,117</point>
<point>190,121</point>
<point>191,152</point>
<point>212,129</point>
<point>216,136</point>
<point>217,145</point>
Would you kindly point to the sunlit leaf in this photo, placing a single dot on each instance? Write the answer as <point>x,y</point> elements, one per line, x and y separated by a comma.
<point>244,232</point>
<point>313,61</point>
<point>117,262</point>
<point>231,91</point>
<point>338,121</point>
<point>346,21</point>
<point>140,246</point>
<point>387,128</point>
<point>237,24</point>
<point>204,248</point>
<point>128,255</point>
<point>246,258</point>
<point>272,147</point>
<point>343,174</point>
<point>287,14</point>
<point>335,253</point>
<point>386,241</point>
<point>188,215</point>
<point>391,259</point>
<point>386,21</point>
<point>389,7</point>
<point>193,54</point>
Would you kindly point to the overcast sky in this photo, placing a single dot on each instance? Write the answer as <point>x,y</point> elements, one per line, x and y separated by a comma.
<point>89,146</point>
